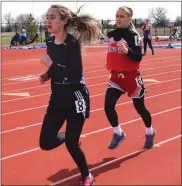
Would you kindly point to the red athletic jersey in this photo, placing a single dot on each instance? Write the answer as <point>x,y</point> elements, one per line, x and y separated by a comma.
<point>174,28</point>
<point>117,60</point>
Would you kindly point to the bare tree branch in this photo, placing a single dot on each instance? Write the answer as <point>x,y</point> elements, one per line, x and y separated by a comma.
<point>8,19</point>
<point>157,14</point>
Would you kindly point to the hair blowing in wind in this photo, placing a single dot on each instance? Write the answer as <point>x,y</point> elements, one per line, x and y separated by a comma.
<point>84,27</point>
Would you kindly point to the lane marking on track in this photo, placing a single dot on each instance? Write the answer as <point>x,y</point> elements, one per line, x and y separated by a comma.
<point>22,94</point>
<point>151,80</point>
<point>117,159</point>
<point>99,109</point>
<point>42,106</point>
<point>94,132</point>
<point>17,77</point>
<point>25,78</point>
<point>36,95</point>
<point>46,85</point>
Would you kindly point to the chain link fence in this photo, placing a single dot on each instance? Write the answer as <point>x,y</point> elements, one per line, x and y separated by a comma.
<point>158,29</point>
<point>162,29</point>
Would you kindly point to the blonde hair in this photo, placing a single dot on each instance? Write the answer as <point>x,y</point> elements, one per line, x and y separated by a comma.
<point>129,12</point>
<point>84,27</point>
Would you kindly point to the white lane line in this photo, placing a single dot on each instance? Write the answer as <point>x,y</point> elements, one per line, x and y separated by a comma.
<point>40,86</point>
<point>42,106</point>
<point>91,78</point>
<point>34,77</point>
<point>117,159</point>
<point>94,132</point>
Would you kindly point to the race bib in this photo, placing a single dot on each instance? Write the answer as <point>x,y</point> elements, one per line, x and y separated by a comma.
<point>80,106</point>
<point>137,41</point>
<point>139,81</point>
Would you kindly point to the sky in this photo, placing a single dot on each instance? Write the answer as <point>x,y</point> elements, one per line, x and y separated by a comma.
<point>101,10</point>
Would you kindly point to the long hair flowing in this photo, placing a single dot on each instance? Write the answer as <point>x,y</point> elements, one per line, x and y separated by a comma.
<point>84,27</point>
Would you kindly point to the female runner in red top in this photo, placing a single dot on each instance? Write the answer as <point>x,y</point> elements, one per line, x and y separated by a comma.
<point>123,62</point>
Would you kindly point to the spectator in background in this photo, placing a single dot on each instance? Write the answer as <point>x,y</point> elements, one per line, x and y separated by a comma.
<point>176,32</point>
<point>23,35</point>
<point>147,36</point>
<point>15,39</point>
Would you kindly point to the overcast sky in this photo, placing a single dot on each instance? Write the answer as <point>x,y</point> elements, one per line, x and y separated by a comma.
<point>101,10</point>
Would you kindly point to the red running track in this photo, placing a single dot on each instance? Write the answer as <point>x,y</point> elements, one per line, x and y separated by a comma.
<point>24,163</point>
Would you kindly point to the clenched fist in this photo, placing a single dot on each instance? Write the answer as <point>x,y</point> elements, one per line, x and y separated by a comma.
<point>44,77</point>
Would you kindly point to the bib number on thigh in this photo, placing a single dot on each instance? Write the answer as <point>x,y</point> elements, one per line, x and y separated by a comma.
<point>80,106</point>
<point>139,81</point>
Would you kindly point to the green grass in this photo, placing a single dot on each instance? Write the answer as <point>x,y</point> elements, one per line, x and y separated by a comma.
<point>5,40</point>
<point>7,36</point>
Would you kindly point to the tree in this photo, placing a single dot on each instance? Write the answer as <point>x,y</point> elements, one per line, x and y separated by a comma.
<point>157,14</point>
<point>178,21</point>
<point>31,27</point>
<point>105,23</point>
<point>9,21</point>
<point>22,18</point>
<point>43,22</point>
<point>138,22</point>
<point>2,28</point>
<point>20,21</point>
<point>43,19</point>
<point>163,22</point>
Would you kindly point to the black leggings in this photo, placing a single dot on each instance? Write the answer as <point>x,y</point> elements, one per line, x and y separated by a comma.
<point>53,121</point>
<point>112,96</point>
<point>147,41</point>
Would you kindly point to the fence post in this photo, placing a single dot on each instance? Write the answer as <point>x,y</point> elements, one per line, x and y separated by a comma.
<point>107,25</point>
<point>155,30</point>
<point>40,32</point>
<point>15,27</point>
<point>135,22</point>
<point>102,22</point>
